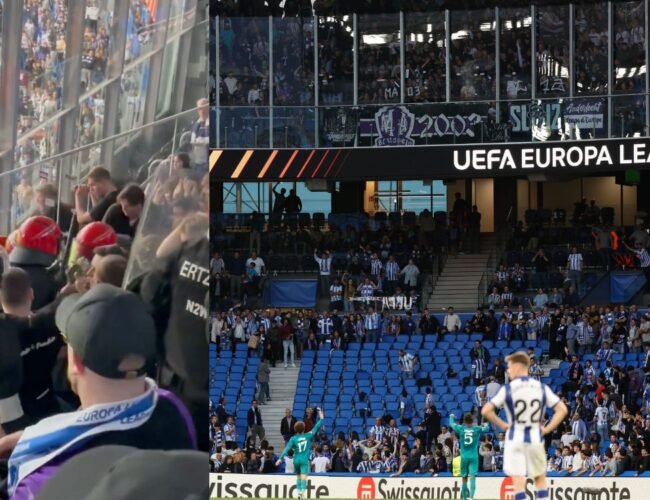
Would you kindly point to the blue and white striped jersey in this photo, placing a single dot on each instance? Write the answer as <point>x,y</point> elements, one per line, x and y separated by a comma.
<point>525,400</point>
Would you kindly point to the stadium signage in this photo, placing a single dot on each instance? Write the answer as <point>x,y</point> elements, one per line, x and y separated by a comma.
<point>398,126</point>
<point>377,487</point>
<point>550,156</point>
<point>489,160</point>
<point>588,114</point>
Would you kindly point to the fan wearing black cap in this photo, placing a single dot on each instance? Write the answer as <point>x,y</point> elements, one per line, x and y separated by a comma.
<point>40,345</point>
<point>111,342</point>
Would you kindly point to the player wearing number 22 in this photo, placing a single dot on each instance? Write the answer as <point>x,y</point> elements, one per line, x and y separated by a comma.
<point>469,444</point>
<point>300,443</point>
<point>526,401</point>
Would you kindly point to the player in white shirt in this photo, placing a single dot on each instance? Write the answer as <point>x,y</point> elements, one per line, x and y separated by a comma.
<point>525,400</point>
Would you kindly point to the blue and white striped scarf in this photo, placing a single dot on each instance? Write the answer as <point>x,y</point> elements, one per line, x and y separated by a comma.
<point>53,436</point>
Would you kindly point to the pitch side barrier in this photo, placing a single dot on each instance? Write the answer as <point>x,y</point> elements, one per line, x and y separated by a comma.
<point>410,486</point>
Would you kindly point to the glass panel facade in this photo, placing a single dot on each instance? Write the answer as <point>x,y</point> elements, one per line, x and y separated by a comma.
<point>43,75</point>
<point>630,42</point>
<point>293,58</point>
<point>576,93</point>
<point>379,59</point>
<point>473,53</point>
<point>592,44</point>
<point>515,58</point>
<point>425,57</point>
<point>133,96</point>
<point>97,47</point>
<point>336,65</point>
<point>553,54</point>
<point>42,62</point>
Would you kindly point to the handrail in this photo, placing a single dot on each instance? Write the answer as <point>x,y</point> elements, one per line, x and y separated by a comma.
<point>360,106</point>
<point>85,147</point>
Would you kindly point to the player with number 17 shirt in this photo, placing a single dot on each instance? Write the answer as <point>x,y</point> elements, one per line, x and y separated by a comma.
<point>300,443</point>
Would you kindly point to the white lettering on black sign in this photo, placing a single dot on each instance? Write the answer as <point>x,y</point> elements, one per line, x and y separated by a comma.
<point>194,272</point>
<point>549,156</point>
<point>196,309</point>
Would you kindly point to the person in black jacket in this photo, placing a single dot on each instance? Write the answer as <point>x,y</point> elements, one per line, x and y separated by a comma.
<point>428,324</point>
<point>432,420</point>
<point>255,422</point>
<point>287,424</point>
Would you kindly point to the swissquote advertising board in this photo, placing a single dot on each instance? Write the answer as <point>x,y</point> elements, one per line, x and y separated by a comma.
<point>380,487</point>
<point>434,162</point>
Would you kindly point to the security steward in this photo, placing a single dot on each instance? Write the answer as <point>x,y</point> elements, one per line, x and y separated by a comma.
<point>176,291</point>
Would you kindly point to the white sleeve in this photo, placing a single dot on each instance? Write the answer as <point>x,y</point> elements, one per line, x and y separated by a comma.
<point>499,398</point>
<point>551,398</point>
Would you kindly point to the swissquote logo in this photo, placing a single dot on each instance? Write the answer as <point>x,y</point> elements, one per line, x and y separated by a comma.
<point>507,489</point>
<point>366,489</point>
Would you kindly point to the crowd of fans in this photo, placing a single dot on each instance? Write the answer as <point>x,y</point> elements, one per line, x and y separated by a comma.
<point>607,431</point>
<point>50,283</point>
<point>43,61</point>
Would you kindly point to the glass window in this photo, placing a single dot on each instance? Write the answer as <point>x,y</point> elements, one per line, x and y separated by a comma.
<point>244,82</point>
<point>176,14</point>
<point>425,57</point>
<point>294,127</point>
<point>143,30</point>
<point>230,205</point>
<point>167,77</point>
<point>335,46</point>
<point>90,128</point>
<point>313,201</point>
<point>420,195</point>
<point>387,196</point>
<point>515,55</point>
<point>472,55</point>
<point>42,62</point>
<point>591,49</point>
<point>629,48</point>
<point>552,26</point>
<point>96,49</point>
<point>293,57</point>
<point>132,98</point>
<point>379,59</point>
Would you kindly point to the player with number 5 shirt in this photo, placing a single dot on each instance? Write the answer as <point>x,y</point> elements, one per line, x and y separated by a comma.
<point>469,443</point>
<point>301,446</point>
<point>526,401</point>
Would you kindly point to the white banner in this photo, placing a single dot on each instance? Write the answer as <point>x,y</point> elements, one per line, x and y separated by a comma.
<point>374,488</point>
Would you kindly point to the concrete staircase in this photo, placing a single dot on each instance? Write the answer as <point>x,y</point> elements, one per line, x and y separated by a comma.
<point>283,389</point>
<point>458,284</point>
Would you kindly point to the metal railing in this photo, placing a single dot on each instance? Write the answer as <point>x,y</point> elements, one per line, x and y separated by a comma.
<point>135,150</point>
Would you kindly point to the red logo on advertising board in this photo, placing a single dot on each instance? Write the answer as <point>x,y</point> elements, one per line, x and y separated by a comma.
<point>507,489</point>
<point>366,489</point>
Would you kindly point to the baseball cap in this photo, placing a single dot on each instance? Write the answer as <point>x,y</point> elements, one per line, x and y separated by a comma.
<point>125,473</point>
<point>104,326</point>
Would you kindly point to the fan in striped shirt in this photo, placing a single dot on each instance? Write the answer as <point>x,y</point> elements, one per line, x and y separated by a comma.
<point>501,277</point>
<point>366,289</point>
<point>375,265</point>
<point>392,274</point>
<point>506,296</point>
<point>643,256</point>
<point>336,295</point>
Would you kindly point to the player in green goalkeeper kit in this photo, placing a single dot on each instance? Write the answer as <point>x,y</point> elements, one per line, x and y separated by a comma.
<point>300,443</point>
<point>469,443</point>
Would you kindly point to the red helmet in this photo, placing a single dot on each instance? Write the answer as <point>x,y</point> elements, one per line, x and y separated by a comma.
<point>93,235</point>
<point>35,242</point>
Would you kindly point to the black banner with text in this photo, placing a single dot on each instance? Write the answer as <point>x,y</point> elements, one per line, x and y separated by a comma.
<point>433,162</point>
